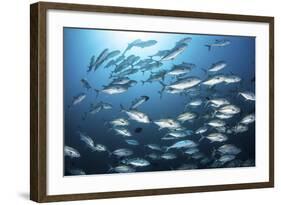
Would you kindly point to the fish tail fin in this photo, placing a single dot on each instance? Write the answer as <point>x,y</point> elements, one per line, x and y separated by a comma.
<point>209,47</point>
<point>97,92</point>
<point>214,151</point>
<point>163,87</point>
<point>110,169</point>
<point>158,63</point>
<point>201,138</point>
<point>214,113</point>
<point>207,103</point>
<point>122,109</point>
<point>238,94</point>
<point>93,149</point>
<point>162,83</point>
<point>105,123</point>
<point>161,94</point>
<point>204,70</point>
<point>166,134</point>
<point>111,74</point>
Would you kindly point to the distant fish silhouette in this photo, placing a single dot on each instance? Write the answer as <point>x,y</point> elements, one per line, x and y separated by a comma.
<point>138,130</point>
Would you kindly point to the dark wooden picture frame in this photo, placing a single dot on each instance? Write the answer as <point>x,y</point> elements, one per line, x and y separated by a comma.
<point>38,101</point>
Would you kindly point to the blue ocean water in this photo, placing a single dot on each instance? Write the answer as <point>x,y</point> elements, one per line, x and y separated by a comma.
<point>81,44</point>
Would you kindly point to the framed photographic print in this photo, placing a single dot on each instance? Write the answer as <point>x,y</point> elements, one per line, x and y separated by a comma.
<point>134,102</point>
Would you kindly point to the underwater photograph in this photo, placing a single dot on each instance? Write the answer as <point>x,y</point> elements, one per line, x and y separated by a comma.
<point>139,101</point>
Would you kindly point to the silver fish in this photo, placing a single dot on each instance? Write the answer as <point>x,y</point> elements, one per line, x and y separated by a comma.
<point>155,77</point>
<point>216,123</point>
<point>168,138</point>
<point>232,79</point>
<point>248,119</point>
<point>122,169</point>
<point>218,43</point>
<point>113,54</point>
<point>185,83</point>
<point>87,140</point>
<point>100,148</point>
<point>101,58</point>
<point>113,89</point>
<point>126,72</point>
<point>85,83</point>
<point>139,43</point>
<point>191,150</point>
<point>122,152</point>
<point>132,142</point>
<point>248,95</point>
<point>120,81</point>
<point>217,66</point>
<point>172,54</point>
<point>223,116</point>
<point>201,130</point>
<point>136,115</point>
<point>182,144</point>
<point>136,162</point>
<point>226,158</point>
<point>76,172</point>
<point>229,149</point>
<point>168,156</point>
<point>179,133</point>
<point>110,63</point>
<point>217,137</point>
<point>194,103</point>
<point>184,41</point>
<point>97,108</point>
<point>77,99</point>
<point>229,109</point>
<point>154,156</point>
<point>150,67</point>
<point>180,69</point>
<point>167,123</point>
<point>197,155</point>
<point>154,147</point>
<point>239,128</point>
<point>138,101</point>
<point>160,54</point>
<point>217,102</point>
<point>122,131</point>
<point>186,116</point>
<point>214,80</point>
<point>221,129</point>
<point>94,109</point>
<point>119,122</point>
<point>71,152</point>
<point>91,64</point>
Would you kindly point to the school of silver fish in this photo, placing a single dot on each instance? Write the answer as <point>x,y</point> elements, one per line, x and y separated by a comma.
<point>183,138</point>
